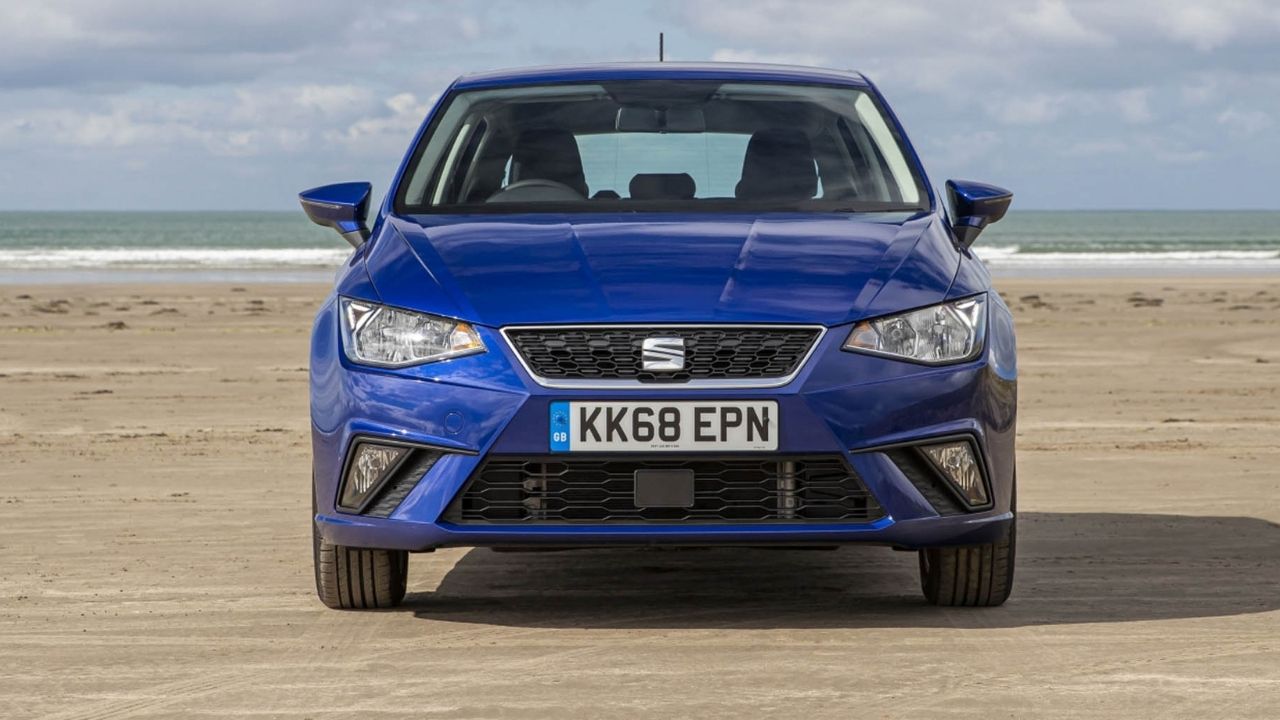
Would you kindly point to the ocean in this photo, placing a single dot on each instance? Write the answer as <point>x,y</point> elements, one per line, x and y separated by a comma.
<point>38,247</point>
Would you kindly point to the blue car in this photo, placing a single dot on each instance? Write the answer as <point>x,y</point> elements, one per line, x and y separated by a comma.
<point>662,305</point>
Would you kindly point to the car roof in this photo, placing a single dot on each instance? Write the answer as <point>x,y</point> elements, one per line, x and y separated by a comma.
<point>727,72</point>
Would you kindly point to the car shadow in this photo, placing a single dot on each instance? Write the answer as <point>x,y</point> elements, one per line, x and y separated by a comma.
<point>1072,568</point>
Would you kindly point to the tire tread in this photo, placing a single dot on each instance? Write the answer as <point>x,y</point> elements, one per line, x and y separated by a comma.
<point>972,576</point>
<point>350,578</point>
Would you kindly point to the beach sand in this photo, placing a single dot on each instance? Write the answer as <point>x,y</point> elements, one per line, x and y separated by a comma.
<point>155,546</point>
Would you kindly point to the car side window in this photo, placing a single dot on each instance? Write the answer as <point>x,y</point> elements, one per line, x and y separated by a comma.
<point>463,165</point>
<point>893,166</point>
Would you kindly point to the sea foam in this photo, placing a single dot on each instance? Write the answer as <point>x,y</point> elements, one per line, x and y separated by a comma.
<point>141,258</point>
<point>998,256</point>
<point>137,258</point>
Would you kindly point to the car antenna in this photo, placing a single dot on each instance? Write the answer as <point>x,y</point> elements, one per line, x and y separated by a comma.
<point>661,49</point>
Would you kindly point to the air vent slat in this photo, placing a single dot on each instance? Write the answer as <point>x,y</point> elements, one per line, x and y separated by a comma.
<point>555,489</point>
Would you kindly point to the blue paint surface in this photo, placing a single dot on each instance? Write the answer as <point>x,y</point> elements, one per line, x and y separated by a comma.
<point>497,271</point>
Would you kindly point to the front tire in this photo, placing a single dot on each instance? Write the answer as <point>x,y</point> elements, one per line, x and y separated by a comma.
<point>974,576</point>
<point>350,578</point>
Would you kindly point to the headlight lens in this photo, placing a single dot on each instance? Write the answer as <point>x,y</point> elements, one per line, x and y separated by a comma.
<point>388,337</point>
<point>946,333</point>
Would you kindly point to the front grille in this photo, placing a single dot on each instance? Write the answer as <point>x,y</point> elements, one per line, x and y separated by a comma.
<point>711,353</point>
<point>555,489</point>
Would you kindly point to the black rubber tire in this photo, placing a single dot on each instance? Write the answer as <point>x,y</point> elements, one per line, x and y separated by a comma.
<point>975,575</point>
<point>350,578</point>
<point>971,576</point>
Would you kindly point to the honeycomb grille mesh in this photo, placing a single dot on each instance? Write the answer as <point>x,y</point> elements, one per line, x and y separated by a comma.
<point>552,489</point>
<point>711,353</point>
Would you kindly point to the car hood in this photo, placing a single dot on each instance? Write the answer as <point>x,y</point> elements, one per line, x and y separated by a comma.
<point>825,269</point>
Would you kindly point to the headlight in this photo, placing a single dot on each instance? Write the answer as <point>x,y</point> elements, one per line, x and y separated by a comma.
<point>946,333</point>
<point>389,337</point>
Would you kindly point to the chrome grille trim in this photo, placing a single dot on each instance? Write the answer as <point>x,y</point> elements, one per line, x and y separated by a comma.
<point>697,384</point>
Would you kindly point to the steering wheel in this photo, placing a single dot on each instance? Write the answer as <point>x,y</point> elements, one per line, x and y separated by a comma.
<point>536,189</point>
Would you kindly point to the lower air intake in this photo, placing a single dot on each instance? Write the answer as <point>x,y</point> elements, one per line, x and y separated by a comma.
<point>555,489</point>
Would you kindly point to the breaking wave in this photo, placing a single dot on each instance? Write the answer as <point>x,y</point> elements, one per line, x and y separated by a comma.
<point>998,256</point>
<point>136,258</point>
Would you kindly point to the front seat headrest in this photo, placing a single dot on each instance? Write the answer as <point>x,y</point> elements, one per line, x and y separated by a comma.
<point>548,155</point>
<point>662,186</point>
<point>778,166</point>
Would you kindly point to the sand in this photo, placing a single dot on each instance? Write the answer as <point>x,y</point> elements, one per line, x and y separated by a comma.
<point>155,558</point>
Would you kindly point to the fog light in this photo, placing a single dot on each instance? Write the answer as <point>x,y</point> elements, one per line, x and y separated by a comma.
<point>959,466</point>
<point>370,465</point>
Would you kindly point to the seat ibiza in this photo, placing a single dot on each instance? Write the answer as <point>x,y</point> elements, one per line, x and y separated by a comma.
<point>662,305</point>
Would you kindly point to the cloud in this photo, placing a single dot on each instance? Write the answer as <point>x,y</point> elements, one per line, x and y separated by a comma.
<point>1135,105</point>
<point>1172,151</point>
<point>394,126</point>
<point>251,99</point>
<point>1035,109</point>
<point>243,122</point>
<point>1093,88</point>
<point>1089,148</point>
<point>1244,122</point>
<point>960,150</point>
<point>1053,21</point>
<point>1207,27</point>
<point>331,99</point>
<point>1045,45</point>
<point>112,44</point>
<point>1147,147</point>
<point>751,56</point>
<point>1199,88</point>
<point>115,44</point>
<point>1201,27</point>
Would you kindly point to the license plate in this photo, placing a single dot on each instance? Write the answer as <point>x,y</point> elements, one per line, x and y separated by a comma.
<point>663,426</point>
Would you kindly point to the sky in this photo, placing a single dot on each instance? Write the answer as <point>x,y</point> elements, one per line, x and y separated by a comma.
<point>238,105</point>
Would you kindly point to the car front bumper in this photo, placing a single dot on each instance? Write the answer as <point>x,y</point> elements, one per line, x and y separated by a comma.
<point>842,404</point>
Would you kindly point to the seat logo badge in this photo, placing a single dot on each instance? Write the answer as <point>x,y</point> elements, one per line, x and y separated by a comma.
<point>662,354</point>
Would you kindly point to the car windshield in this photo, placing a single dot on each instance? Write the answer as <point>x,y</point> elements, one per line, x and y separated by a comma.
<point>646,145</point>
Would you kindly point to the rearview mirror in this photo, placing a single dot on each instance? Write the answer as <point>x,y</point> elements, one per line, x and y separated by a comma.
<point>635,118</point>
<point>974,206</point>
<point>343,207</point>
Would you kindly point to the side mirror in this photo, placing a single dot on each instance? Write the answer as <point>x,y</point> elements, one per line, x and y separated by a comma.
<point>974,206</point>
<point>343,207</point>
